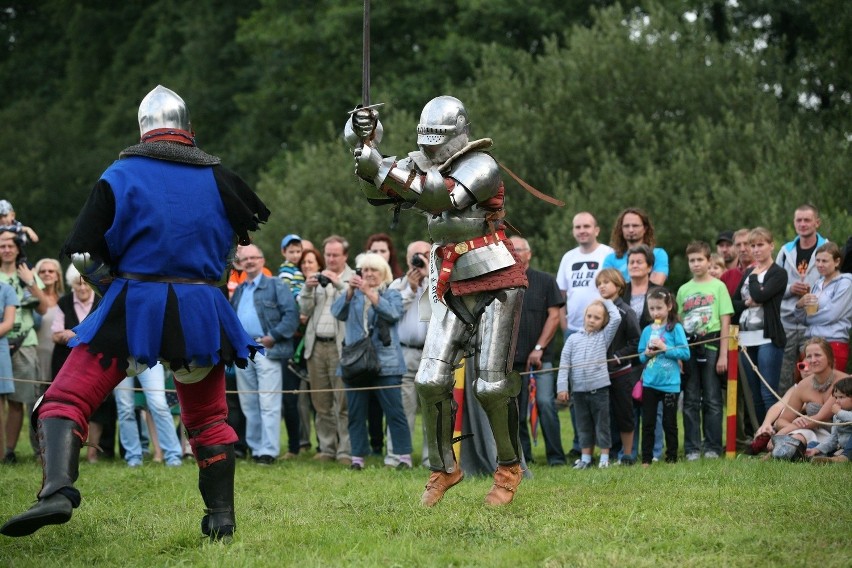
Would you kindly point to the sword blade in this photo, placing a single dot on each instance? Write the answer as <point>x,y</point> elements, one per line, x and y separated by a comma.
<point>365,58</point>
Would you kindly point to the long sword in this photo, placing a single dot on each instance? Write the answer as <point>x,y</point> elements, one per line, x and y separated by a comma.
<point>365,58</point>
<point>365,65</point>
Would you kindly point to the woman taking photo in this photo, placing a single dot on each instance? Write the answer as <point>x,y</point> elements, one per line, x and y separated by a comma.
<point>757,308</point>
<point>310,263</point>
<point>827,309</point>
<point>370,308</point>
<point>50,272</point>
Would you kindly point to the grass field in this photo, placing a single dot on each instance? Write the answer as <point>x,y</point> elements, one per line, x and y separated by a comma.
<point>742,512</point>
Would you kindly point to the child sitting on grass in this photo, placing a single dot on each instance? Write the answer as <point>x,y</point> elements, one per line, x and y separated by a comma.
<point>661,347</point>
<point>584,355</point>
<point>838,447</point>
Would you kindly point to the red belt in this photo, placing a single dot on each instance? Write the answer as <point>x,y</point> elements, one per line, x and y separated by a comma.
<point>451,252</point>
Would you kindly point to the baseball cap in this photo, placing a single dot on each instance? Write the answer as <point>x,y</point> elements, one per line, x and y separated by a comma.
<point>725,236</point>
<point>5,207</point>
<point>289,239</point>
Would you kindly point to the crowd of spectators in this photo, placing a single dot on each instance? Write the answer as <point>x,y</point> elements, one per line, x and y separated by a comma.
<point>631,352</point>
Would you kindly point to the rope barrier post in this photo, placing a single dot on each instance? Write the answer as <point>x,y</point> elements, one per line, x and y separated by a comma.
<point>733,367</point>
<point>458,396</point>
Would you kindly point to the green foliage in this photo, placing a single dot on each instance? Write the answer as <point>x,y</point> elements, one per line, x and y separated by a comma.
<point>687,108</point>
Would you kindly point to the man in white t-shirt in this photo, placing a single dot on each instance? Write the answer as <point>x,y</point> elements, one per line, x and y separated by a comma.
<point>578,269</point>
<point>576,279</point>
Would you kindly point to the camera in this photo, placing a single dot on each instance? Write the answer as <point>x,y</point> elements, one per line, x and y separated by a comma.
<point>417,261</point>
<point>802,366</point>
<point>358,271</point>
<point>323,280</point>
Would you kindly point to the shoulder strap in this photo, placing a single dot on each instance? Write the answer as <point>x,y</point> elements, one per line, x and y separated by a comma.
<point>531,189</point>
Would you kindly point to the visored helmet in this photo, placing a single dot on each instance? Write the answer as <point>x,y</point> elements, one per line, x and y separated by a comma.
<point>443,129</point>
<point>163,108</point>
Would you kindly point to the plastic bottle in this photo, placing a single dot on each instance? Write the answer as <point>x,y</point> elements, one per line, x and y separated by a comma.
<point>657,332</point>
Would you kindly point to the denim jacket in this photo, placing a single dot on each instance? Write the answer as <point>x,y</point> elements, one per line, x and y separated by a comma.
<point>277,312</point>
<point>389,309</point>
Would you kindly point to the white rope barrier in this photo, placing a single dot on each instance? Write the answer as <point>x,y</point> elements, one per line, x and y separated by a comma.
<point>540,371</point>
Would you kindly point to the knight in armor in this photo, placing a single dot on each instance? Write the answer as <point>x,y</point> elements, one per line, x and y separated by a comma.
<point>153,237</point>
<point>476,281</point>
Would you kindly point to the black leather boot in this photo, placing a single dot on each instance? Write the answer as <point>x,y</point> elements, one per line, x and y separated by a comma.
<point>216,466</point>
<point>59,446</point>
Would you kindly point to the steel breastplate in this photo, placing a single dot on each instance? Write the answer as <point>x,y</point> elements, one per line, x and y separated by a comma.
<point>454,225</point>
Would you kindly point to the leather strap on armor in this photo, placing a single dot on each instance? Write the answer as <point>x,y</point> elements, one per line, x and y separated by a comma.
<point>530,189</point>
<point>207,462</point>
<point>451,252</point>
<point>197,431</point>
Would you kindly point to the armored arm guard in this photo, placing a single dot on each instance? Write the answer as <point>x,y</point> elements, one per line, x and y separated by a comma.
<point>96,274</point>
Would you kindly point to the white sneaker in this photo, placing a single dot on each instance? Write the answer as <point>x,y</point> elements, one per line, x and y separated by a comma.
<point>711,456</point>
<point>603,465</point>
<point>693,456</point>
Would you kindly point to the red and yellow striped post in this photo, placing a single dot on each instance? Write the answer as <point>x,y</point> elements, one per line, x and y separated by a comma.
<point>458,396</point>
<point>733,366</point>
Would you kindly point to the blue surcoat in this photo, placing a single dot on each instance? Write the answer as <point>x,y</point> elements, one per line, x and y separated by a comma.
<point>169,221</point>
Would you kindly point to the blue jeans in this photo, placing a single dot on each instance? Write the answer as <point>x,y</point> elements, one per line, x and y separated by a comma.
<point>262,410</point>
<point>153,383</point>
<point>702,405</point>
<point>768,359</point>
<point>545,399</point>
<point>391,401</point>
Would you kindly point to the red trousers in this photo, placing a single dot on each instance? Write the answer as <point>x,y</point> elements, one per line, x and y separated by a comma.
<point>82,385</point>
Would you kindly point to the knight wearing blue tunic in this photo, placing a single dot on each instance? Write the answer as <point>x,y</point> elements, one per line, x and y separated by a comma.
<point>154,236</point>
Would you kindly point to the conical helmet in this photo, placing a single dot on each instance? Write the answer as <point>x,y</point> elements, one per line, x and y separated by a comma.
<point>163,108</point>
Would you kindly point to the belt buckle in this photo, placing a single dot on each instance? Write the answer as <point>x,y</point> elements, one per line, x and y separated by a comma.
<point>462,248</point>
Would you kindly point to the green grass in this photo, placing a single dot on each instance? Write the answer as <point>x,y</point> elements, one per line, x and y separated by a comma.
<point>743,512</point>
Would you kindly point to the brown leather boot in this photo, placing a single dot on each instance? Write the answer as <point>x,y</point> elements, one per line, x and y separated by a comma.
<point>438,484</point>
<point>506,481</point>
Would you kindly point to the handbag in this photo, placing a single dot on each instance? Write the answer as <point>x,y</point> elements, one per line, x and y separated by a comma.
<point>359,362</point>
<point>636,393</point>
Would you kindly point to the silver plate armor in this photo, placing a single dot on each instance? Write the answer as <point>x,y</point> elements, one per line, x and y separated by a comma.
<point>484,325</point>
<point>96,274</point>
<point>163,108</point>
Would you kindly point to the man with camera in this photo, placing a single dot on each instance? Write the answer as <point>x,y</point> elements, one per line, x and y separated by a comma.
<point>412,334</point>
<point>323,341</point>
<point>15,271</point>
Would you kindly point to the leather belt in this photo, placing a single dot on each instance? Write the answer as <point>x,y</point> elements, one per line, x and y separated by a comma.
<point>624,371</point>
<point>325,339</point>
<point>166,279</point>
<point>451,252</point>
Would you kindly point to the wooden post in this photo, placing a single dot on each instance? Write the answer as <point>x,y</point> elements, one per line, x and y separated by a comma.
<point>733,367</point>
<point>458,396</point>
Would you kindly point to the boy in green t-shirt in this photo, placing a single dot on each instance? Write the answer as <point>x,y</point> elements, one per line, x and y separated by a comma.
<point>705,310</point>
